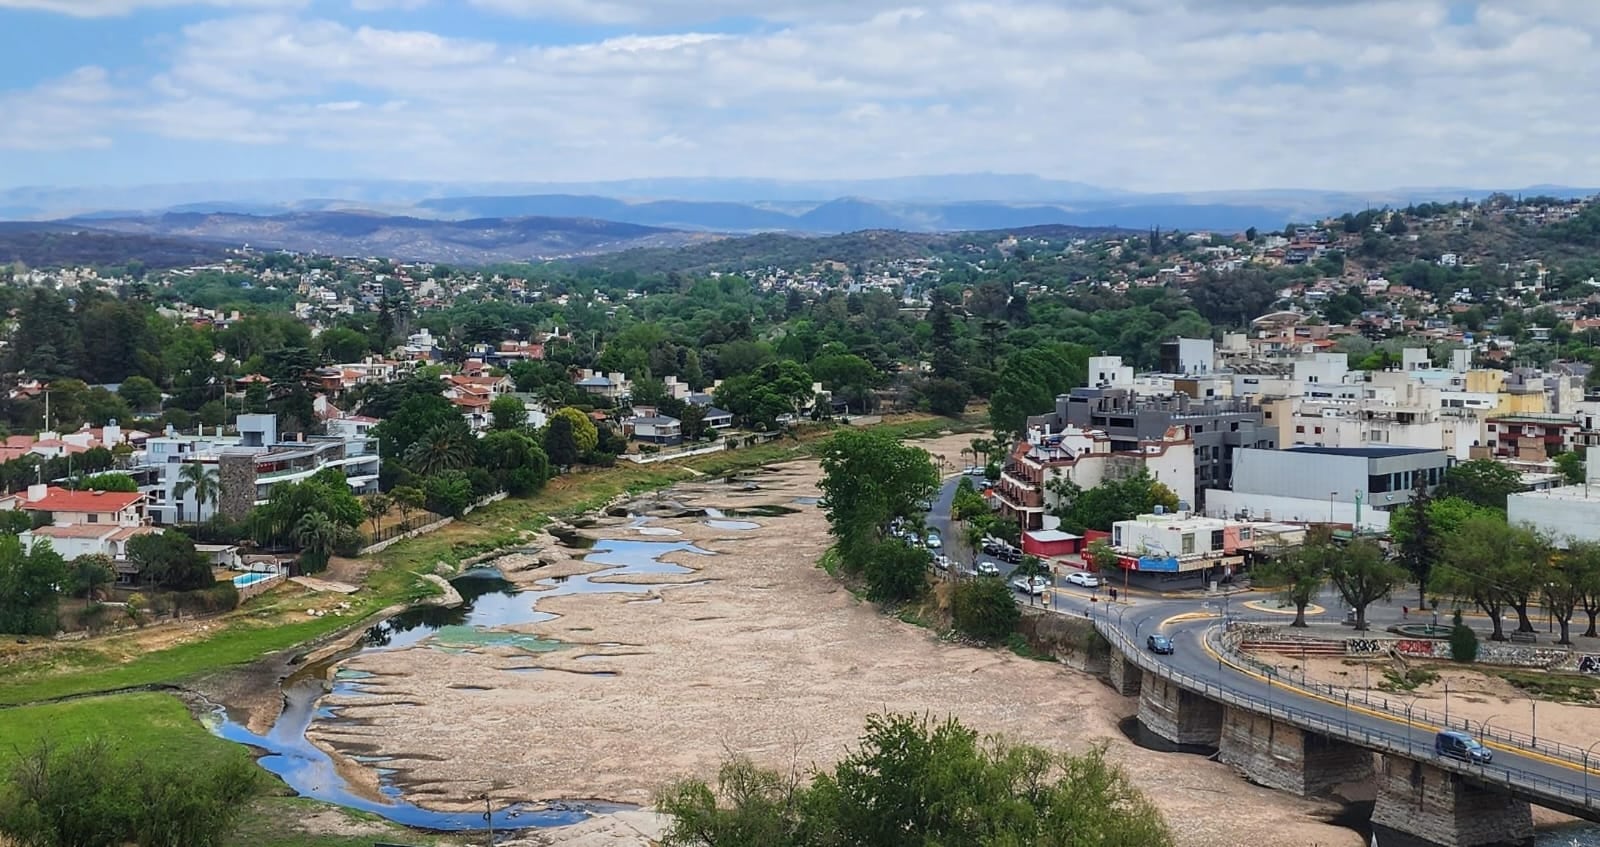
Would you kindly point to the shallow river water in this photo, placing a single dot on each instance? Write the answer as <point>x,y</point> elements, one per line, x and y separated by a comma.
<point>489,602</point>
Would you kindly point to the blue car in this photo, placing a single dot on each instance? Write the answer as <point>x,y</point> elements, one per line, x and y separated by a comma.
<point>1159,644</point>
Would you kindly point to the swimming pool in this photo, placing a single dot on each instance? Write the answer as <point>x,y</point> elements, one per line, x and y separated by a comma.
<point>247,579</point>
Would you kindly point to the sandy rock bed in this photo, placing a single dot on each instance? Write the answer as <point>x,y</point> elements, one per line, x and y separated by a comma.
<point>757,652</point>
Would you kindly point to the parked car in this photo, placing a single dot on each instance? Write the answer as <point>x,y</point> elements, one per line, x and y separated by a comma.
<point>1159,644</point>
<point>988,569</point>
<point>1453,744</point>
<point>1010,554</point>
<point>974,470</point>
<point>1087,580</point>
<point>1035,585</point>
<point>934,541</point>
<point>941,562</point>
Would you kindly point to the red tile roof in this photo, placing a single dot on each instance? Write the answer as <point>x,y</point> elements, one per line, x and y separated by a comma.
<point>62,500</point>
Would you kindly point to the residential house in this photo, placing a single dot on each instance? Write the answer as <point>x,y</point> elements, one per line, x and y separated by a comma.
<point>610,386</point>
<point>654,429</point>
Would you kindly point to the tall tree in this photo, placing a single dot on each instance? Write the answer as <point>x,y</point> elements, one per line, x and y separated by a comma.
<point>28,580</point>
<point>508,413</point>
<point>1363,575</point>
<point>1582,564</point>
<point>376,506</point>
<point>1482,482</point>
<point>1300,572</point>
<point>559,443</point>
<point>1477,566</point>
<point>1412,529</point>
<point>869,479</point>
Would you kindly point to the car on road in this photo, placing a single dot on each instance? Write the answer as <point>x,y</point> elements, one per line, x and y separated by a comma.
<point>934,541</point>
<point>1459,745</point>
<point>988,569</point>
<point>1010,554</point>
<point>1159,644</point>
<point>1087,580</point>
<point>941,562</point>
<point>974,470</point>
<point>1035,585</point>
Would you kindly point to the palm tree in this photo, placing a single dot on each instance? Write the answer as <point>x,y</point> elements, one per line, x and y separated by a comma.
<point>200,479</point>
<point>317,535</point>
<point>446,447</point>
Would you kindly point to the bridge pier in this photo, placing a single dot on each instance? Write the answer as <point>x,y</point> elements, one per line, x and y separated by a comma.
<point>1288,758</point>
<point>1179,716</point>
<point>1422,806</point>
<point>1124,676</point>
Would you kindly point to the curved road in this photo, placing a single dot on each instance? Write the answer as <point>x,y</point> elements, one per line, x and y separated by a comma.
<point>1552,775</point>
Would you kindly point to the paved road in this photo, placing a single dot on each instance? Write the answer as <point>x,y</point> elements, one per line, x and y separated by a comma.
<point>1543,772</point>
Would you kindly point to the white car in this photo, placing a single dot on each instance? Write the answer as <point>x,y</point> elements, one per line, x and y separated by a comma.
<point>942,562</point>
<point>934,541</point>
<point>1035,585</point>
<point>988,569</point>
<point>974,470</point>
<point>1087,580</point>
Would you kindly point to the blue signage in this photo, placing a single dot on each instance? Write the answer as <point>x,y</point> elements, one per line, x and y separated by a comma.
<point>1162,564</point>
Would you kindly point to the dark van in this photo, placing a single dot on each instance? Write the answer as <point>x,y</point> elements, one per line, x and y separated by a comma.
<point>1459,745</point>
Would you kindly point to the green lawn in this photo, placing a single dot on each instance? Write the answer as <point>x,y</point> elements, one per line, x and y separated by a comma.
<point>158,728</point>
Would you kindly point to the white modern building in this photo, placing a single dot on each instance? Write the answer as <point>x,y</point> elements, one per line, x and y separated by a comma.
<point>1565,514</point>
<point>244,467</point>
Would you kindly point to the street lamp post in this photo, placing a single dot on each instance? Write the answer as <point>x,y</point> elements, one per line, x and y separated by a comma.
<point>1355,528</point>
<point>1447,705</point>
<point>1408,722</point>
<point>1483,727</point>
<point>1331,495</point>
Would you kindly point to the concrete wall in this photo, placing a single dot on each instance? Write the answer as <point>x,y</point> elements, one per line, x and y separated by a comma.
<point>1072,641</point>
<point>1571,512</point>
<point>1441,808</point>
<point>1287,758</point>
<point>1125,677</point>
<point>1178,715</point>
<point>1226,504</point>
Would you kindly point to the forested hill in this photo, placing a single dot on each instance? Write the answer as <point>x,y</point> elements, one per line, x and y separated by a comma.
<point>48,245</point>
<point>851,248</point>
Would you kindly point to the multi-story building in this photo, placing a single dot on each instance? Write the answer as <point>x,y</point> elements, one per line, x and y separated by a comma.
<point>1528,438</point>
<point>1216,427</point>
<point>1086,459</point>
<point>1342,485</point>
<point>245,467</point>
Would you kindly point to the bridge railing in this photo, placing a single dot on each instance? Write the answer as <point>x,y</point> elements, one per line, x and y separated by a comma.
<point>1385,702</point>
<point>1515,779</point>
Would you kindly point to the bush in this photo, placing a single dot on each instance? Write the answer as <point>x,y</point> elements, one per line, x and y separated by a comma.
<point>218,529</point>
<point>895,571</point>
<point>983,609</point>
<point>649,449</point>
<point>92,617</point>
<point>92,796</point>
<point>1463,641</point>
<point>447,493</point>
<point>222,596</point>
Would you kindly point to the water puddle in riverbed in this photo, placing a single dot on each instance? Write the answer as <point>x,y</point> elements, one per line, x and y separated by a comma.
<point>743,526</point>
<point>489,602</point>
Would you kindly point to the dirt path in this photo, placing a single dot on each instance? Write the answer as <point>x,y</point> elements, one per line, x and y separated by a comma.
<point>770,658</point>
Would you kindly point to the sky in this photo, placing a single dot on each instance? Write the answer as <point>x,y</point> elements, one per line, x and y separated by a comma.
<point>1146,95</point>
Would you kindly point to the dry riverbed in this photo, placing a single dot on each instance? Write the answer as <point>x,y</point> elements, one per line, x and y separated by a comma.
<point>763,655</point>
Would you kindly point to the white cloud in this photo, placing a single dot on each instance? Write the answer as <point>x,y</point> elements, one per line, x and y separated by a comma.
<point>112,8</point>
<point>59,114</point>
<point>1145,93</point>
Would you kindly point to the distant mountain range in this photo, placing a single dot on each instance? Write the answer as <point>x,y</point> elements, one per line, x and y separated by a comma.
<point>916,204</point>
<point>475,241</point>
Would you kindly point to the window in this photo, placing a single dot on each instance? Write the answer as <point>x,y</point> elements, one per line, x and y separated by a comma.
<point>1299,429</point>
<point>1116,536</point>
<point>1216,539</point>
<point>1233,427</point>
<point>1188,543</point>
<point>1318,430</point>
<point>1244,533</point>
<point>94,518</point>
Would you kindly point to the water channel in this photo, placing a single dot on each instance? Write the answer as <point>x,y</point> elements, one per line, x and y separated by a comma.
<point>489,602</point>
